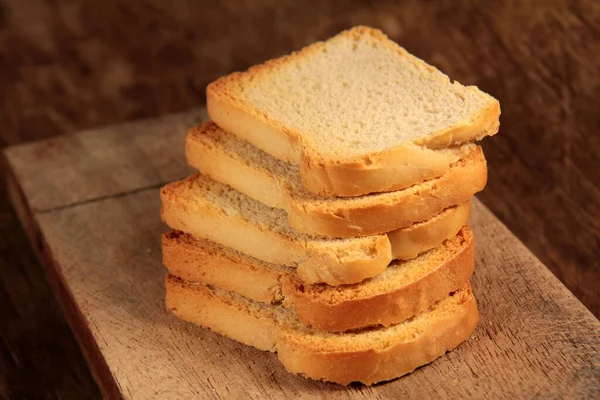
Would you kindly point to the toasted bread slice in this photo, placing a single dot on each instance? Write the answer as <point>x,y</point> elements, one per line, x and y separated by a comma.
<point>256,174</point>
<point>211,210</point>
<point>357,113</point>
<point>404,289</point>
<point>232,161</point>
<point>368,356</point>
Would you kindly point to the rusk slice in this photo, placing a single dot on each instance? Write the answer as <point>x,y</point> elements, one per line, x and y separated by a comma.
<point>404,289</point>
<point>357,113</point>
<point>211,210</point>
<point>232,161</point>
<point>369,355</point>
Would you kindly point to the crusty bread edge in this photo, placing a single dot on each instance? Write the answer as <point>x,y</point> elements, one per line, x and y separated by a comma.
<point>274,191</point>
<point>487,121</point>
<point>393,210</point>
<point>398,167</point>
<point>351,176</point>
<point>194,263</point>
<point>206,156</point>
<point>373,366</point>
<point>386,308</point>
<point>266,284</point>
<point>408,243</point>
<point>315,264</point>
<point>386,171</point>
<point>198,305</point>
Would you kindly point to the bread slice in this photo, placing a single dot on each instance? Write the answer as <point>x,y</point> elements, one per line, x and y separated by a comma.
<point>357,113</point>
<point>211,210</point>
<point>368,356</point>
<point>404,289</point>
<point>232,161</point>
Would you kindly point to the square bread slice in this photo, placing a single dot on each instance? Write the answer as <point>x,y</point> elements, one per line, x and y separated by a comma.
<point>357,113</point>
<point>369,355</point>
<point>230,160</point>
<point>208,209</point>
<point>404,289</point>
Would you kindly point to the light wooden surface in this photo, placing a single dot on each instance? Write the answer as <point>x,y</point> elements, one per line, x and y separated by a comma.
<point>91,207</point>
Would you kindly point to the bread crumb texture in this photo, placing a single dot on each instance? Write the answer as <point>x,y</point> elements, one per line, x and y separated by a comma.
<point>355,94</point>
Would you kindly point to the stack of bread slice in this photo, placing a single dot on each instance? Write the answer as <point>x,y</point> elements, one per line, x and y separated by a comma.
<point>328,220</point>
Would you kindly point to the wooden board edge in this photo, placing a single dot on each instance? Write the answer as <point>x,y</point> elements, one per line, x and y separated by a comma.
<point>17,198</point>
<point>75,318</point>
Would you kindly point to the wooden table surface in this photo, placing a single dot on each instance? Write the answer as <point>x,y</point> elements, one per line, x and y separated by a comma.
<point>67,66</point>
<point>93,217</point>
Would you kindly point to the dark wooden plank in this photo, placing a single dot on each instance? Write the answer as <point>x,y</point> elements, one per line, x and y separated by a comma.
<point>535,338</point>
<point>53,275</point>
<point>38,354</point>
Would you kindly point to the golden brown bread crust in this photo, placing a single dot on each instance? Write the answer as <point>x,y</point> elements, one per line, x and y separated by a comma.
<point>198,261</point>
<point>193,260</point>
<point>384,309</point>
<point>400,209</point>
<point>315,264</point>
<point>373,366</point>
<point>382,172</point>
<point>200,305</point>
<point>396,168</point>
<point>368,215</point>
<point>319,261</point>
<point>329,357</point>
<point>352,176</point>
<point>409,242</point>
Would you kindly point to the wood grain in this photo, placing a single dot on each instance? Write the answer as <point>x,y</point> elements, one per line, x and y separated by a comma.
<point>80,162</point>
<point>38,354</point>
<point>67,66</point>
<point>103,260</point>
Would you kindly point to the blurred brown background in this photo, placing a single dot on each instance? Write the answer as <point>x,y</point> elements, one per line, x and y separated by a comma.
<point>71,65</point>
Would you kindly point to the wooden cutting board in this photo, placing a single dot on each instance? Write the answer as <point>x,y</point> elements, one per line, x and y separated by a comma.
<point>90,205</point>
